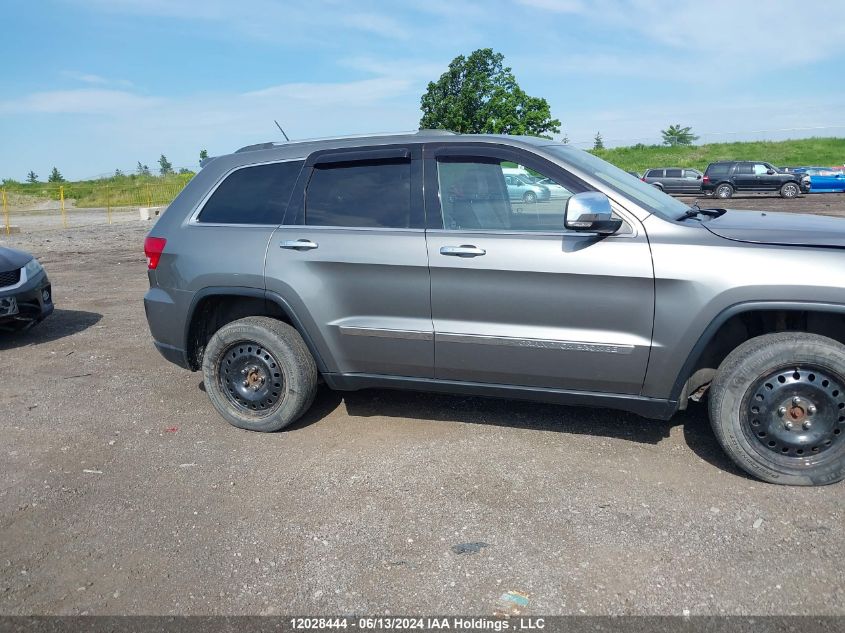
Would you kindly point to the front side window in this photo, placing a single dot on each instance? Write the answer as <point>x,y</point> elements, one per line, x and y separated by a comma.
<point>760,169</point>
<point>478,194</point>
<point>252,195</point>
<point>655,173</point>
<point>374,194</point>
<point>691,174</point>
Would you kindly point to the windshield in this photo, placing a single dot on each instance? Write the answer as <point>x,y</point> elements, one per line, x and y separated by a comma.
<point>647,196</point>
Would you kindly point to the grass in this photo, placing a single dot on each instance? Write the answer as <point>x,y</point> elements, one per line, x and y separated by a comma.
<point>811,151</point>
<point>134,190</point>
<point>116,191</point>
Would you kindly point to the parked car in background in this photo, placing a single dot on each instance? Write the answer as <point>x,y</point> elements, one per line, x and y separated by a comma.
<point>674,179</point>
<point>556,191</point>
<point>25,293</point>
<point>823,179</point>
<point>522,189</point>
<point>722,179</point>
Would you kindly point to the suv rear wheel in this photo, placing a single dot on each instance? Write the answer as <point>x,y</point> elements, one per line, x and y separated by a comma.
<point>724,191</point>
<point>259,374</point>
<point>789,190</point>
<point>777,406</point>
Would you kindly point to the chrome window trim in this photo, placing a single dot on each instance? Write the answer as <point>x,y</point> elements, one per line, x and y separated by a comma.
<point>193,218</point>
<point>379,229</point>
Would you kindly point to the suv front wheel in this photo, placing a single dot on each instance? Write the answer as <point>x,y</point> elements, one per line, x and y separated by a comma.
<point>259,374</point>
<point>777,406</point>
<point>789,190</point>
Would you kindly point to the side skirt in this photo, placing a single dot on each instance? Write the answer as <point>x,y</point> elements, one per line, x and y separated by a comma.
<point>647,407</point>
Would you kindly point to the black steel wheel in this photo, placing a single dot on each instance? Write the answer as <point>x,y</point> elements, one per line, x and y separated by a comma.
<point>259,374</point>
<point>777,407</point>
<point>796,413</point>
<point>251,378</point>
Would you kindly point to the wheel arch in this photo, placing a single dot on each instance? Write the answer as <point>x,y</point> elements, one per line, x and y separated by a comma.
<point>745,320</point>
<point>213,307</point>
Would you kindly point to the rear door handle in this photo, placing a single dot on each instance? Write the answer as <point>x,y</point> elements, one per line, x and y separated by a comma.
<point>464,250</point>
<point>299,245</point>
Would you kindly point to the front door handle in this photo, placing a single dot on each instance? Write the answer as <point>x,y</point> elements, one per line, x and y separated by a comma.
<point>464,250</point>
<point>299,245</point>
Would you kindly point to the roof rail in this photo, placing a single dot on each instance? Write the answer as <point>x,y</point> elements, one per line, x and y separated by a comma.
<point>272,144</point>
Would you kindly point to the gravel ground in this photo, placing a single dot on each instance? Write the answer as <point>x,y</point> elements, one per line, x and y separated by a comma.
<point>122,491</point>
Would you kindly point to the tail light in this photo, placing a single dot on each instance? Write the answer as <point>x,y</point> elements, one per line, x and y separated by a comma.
<point>643,179</point>
<point>153,248</point>
<point>705,179</point>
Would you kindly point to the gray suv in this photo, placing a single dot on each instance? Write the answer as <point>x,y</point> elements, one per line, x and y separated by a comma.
<point>400,262</point>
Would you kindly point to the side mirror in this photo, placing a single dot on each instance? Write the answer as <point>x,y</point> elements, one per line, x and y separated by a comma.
<point>698,177</point>
<point>770,172</point>
<point>590,212</point>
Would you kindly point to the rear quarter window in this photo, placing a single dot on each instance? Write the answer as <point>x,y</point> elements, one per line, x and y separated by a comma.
<point>252,195</point>
<point>718,170</point>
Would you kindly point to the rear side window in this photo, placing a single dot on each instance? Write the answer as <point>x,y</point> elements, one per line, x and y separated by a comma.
<point>673,173</point>
<point>360,194</point>
<point>718,170</point>
<point>253,195</point>
<point>655,173</point>
<point>745,169</point>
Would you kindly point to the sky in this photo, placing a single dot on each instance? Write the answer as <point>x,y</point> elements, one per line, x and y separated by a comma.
<point>90,86</point>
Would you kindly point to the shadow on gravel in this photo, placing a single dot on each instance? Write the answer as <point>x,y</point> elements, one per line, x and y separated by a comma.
<point>58,325</point>
<point>700,438</point>
<point>488,411</point>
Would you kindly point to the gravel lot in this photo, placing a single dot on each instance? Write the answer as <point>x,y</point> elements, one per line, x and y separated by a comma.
<point>122,491</point>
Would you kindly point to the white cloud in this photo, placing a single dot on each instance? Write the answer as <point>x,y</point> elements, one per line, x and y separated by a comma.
<point>81,101</point>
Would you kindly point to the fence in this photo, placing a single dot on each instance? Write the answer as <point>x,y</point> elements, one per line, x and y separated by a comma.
<point>36,206</point>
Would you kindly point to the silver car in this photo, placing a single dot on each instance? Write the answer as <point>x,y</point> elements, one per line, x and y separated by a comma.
<point>402,262</point>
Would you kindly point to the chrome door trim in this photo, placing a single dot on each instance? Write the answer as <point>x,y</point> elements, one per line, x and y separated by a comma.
<point>570,346</point>
<point>412,335</point>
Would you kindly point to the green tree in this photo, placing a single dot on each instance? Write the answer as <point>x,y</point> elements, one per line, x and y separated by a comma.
<point>565,139</point>
<point>479,95</point>
<point>164,166</point>
<point>598,141</point>
<point>55,176</point>
<point>203,155</point>
<point>32,177</point>
<point>118,173</point>
<point>143,170</point>
<point>185,170</point>
<point>677,135</point>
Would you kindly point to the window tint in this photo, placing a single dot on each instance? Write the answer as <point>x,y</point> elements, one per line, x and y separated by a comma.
<point>718,170</point>
<point>476,194</point>
<point>361,194</point>
<point>744,169</point>
<point>252,195</point>
<point>673,173</point>
<point>655,173</point>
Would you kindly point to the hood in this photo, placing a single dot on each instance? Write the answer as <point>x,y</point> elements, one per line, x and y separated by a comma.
<point>788,229</point>
<point>11,259</point>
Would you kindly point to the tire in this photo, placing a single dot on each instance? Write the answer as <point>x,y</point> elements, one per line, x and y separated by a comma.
<point>777,406</point>
<point>273,377</point>
<point>789,190</point>
<point>724,190</point>
<point>529,197</point>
